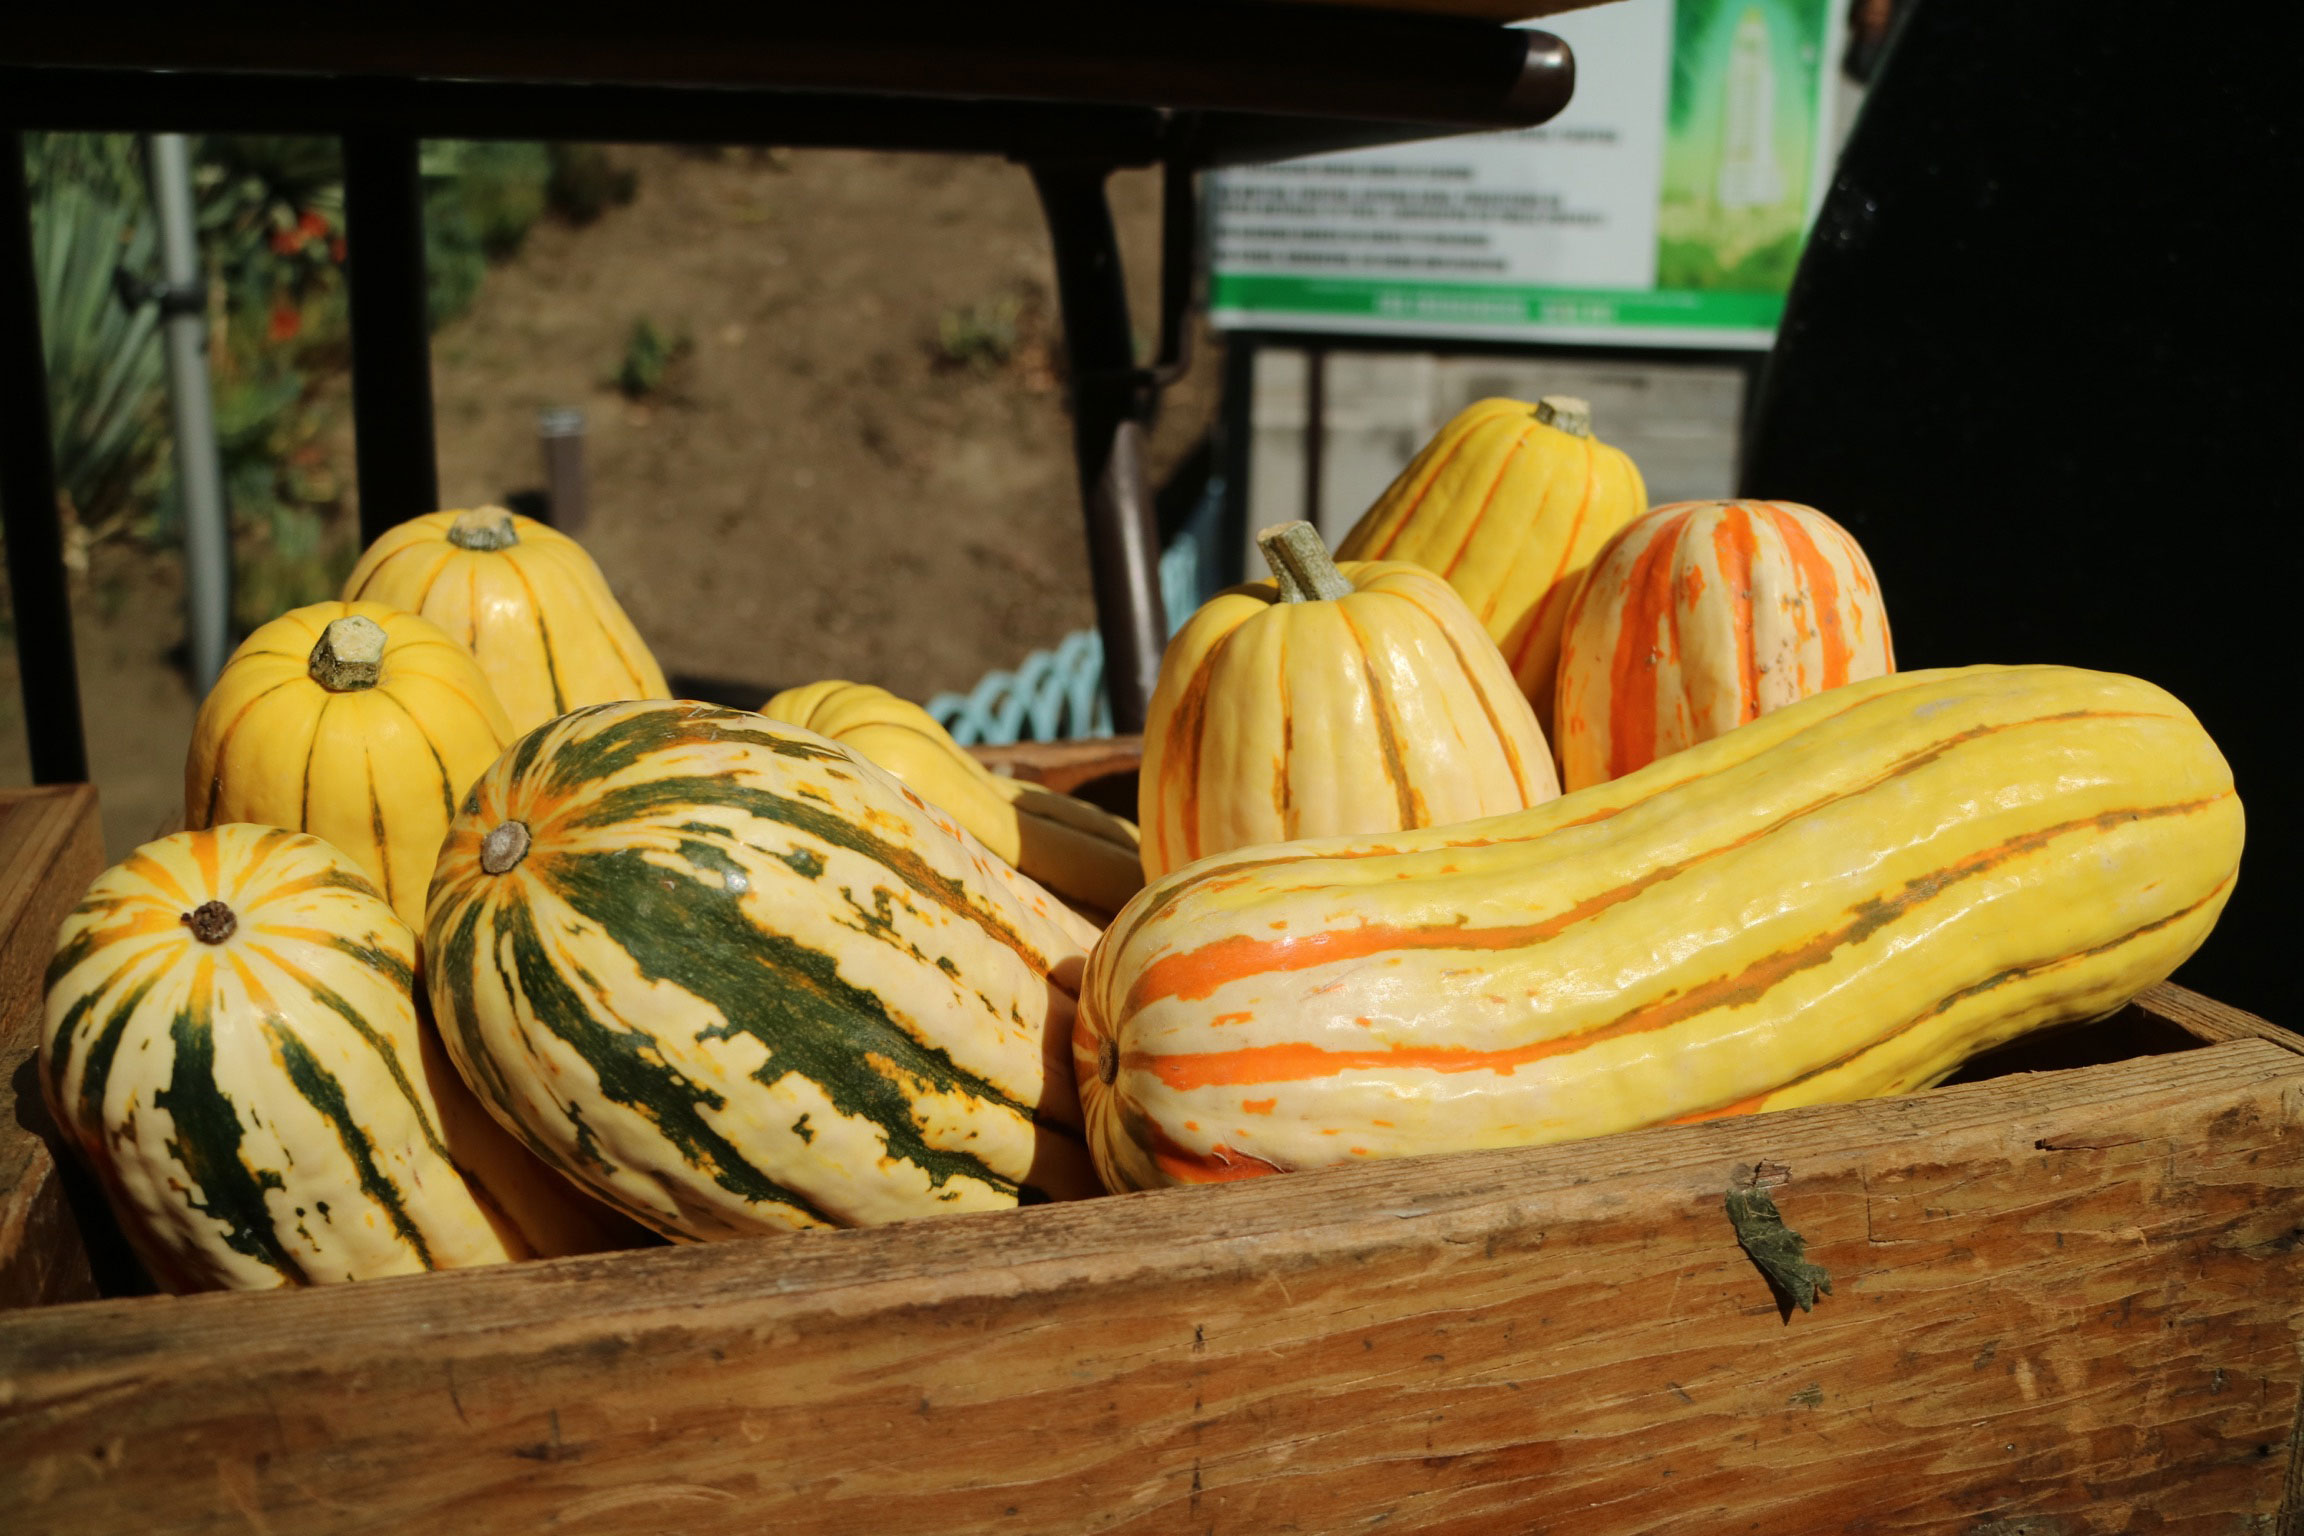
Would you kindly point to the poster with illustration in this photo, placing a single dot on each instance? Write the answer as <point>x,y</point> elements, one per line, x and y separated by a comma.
<point>1665,206</point>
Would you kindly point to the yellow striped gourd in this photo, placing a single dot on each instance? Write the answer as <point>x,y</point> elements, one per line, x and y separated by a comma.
<point>735,979</point>
<point>233,1044</point>
<point>1847,897</point>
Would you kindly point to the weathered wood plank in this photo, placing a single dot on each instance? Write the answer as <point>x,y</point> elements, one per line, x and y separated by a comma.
<point>51,846</point>
<point>2068,1299</point>
<point>2207,1019</point>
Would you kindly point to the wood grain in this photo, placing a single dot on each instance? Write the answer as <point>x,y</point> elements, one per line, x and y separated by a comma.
<point>51,846</point>
<point>2062,1302</point>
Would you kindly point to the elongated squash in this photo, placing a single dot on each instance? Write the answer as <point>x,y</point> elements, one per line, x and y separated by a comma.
<point>525,598</point>
<point>233,1045</point>
<point>1510,502</point>
<point>1847,897</point>
<point>735,979</point>
<point>1705,615</point>
<point>1082,853</point>
<point>355,722</point>
<point>1330,699</point>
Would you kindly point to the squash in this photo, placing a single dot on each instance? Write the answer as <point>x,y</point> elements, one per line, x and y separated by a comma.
<point>234,1047</point>
<point>525,598</point>
<point>1705,615</point>
<point>352,721</point>
<point>734,979</point>
<point>1081,853</point>
<point>1510,502</point>
<point>1331,699</point>
<point>1848,897</point>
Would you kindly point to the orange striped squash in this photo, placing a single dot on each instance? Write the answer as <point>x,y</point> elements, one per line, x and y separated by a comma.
<point>1510,502</point>
<point>1848,897</point>
<point>1360,698</point>
<point>1703,616</point>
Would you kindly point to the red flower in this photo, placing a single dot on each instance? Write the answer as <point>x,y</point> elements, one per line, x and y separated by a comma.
<point>286,321</point>
<point>312,226</point>
<point>336,250</point>
<point>287,242</point>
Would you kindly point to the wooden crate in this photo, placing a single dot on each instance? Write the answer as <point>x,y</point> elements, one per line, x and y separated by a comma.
<point>2062,1301</point>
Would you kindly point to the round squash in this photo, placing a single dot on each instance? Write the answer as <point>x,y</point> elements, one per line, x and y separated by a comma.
<point>1510,502</point>
<point>735,979</point>
<point>355,722</point>
<point>1082,853</point>
<point>234,1047</point>
<point>525,598</point>
<point>1848,897</point>
<point>1705,615</point>
<point>1331,699</point>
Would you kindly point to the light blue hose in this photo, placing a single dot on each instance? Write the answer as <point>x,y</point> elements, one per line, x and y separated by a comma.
<point>1059,695</point>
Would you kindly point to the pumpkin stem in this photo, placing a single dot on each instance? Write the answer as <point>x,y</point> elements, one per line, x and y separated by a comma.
<point>483,528</point>
<point>350,654</point>
<point>1569,414</point>
<point>1300,564</point>
<point>211,922</point>
<point>504,847</point>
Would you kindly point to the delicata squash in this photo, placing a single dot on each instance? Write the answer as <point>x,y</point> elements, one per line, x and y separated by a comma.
<point>1845,898</point>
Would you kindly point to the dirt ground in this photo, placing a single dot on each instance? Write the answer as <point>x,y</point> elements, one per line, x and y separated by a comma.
<point>818,489</point>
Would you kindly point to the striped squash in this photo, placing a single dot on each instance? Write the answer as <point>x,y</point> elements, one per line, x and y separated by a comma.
<point>352,721</point>
<point>233,1045</point>
<point>735,979</point>
<point>1331,699</point>
<point>1703,616</point>
<point>1848,897</point>
<point>525,598</point>
<point>1082,853</point>
<point>1510,502</point>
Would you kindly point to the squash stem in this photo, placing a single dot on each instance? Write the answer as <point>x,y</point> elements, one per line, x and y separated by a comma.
<point>211,922</point>
<point>349,655</point>
<point>1300,564</point>
<point>1569,414</point>
<point>483,528</point>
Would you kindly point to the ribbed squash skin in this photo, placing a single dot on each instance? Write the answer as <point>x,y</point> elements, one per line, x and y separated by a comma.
<point>537,614</point>
<point>268,1110</point>
<point>375,772</point>
<point>1080,852</point>
<point>1703,616</point>
<point>1845,898</point>
<point>1385,709</point>
<point>740,980</point>
<point>1511,510</point>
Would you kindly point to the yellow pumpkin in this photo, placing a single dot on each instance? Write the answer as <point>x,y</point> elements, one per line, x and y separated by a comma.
<point>356,722</point>
<point>526,599</point>
<point>234,1046</point>
<point>1332,699</point>
<point>1510,502</point>
<point>1083,854</point>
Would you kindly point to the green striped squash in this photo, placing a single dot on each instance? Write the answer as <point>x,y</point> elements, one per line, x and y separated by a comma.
<point>233,1044</point>
<point>736,979</point>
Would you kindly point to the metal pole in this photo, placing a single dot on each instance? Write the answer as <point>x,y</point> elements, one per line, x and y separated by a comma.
<point>561,432</point>
<point>207,533</point>
<point>1110,398</point>
<point>42,609</point>
<point>391,331</point>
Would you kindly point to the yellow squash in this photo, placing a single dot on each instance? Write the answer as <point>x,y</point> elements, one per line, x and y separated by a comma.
<point>1083,854</point>
<point>525,598</point>
<point>234,1047</point>
<point>1847,897</point>
<point>1331,699</point>
<point>1510,502</point>
<point>356,722</point>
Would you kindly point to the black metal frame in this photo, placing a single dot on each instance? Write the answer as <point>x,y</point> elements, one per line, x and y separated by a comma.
<point>1071,92</point>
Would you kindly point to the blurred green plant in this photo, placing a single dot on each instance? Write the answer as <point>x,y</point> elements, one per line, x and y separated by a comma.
<point>269,211</point>
<point>979,336</point>
<point>649,354</point>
